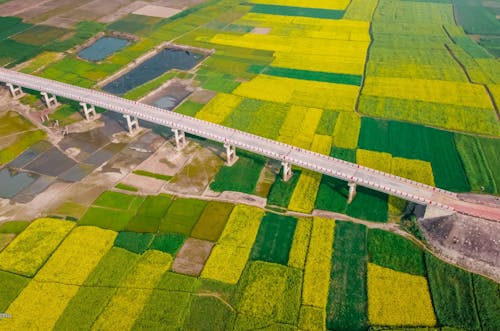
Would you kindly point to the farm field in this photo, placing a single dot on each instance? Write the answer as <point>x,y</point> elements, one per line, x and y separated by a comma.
<point>408,87</point>
<point>265,270</point>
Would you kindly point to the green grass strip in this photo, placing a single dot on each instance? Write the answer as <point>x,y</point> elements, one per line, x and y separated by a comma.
<point>126,187</point>
<point>297,11</point>
<point>319,76</point>
<point>152,175</point>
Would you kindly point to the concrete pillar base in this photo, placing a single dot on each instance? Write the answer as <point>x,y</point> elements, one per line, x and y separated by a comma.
<point>50,100</point>
<point>352,192</point>
<point>231,156</point>
<point>287,171</point>
<point>15,91</point>
<point>88,111</point>
<point>180,139</point>
<point>133,124</point>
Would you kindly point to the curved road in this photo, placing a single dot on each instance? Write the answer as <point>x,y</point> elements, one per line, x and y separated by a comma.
<point>376,180</point>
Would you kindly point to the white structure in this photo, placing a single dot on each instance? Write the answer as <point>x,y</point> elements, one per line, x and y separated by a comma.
<point>15,91</point>
<point>132,123</point>
<point>50,100</point>
<point>88,111</point>
<point>350,172</point>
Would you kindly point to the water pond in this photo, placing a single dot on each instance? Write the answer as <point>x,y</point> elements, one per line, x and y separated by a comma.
<point>154,67</point>
<point>102,48</point>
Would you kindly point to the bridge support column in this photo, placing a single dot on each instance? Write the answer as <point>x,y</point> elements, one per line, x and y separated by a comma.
<point>15,91</point>
<point>352,192</point>
<point>133,124</point>
<point>50,100</point>
<point>287,171</point>
<point>88,111</point>
<point>180,139</point>
<point>231,156</point>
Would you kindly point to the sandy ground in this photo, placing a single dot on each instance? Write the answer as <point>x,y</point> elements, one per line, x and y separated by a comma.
<point>66,13</point>
<point>157,11</point>
<point>192,257</point>
<point>467,241</point>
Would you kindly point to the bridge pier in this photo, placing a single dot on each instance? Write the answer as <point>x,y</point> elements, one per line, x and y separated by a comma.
<point>50,100</point>
<point>133,124</point>
<point>88,111</point>
<point>287,171</point>
<point>352,192</point>
<point>15,91</point>
<point>231,156</point>
<point>180,139</point>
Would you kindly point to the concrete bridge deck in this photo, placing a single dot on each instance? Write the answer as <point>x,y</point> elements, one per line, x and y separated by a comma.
<point>406,189</point>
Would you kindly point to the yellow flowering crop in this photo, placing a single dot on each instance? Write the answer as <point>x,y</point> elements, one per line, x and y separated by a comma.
<point>320,62</point>
<point>312,318</point>
<point>292,123</point>
<point>38,306</point>
<point>420,171</point>
<point>77,256</point>
<point>398,299</point>
<point>376,160</point>
<point>321,144</point>
<point>300,92</point>
<point>226,263</point>
<point>456,93</point>
<point>304,195</point>
<point>29,250</point>
<point>318,262</point>
<point>346,132</point>
<point>219,108</point>
<point>304,136</point>
<point>300,243</point>
<point>129,300</point>
<point>324,4</point>
<point>242,226</point>
<point>230,255</point>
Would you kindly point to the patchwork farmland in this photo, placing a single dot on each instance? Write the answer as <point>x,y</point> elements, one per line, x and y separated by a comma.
<point>100,229</point>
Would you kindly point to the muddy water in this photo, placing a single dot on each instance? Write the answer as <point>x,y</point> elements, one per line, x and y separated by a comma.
<point>170,96</point>
<point>102,48</point>
<point>162,62</point>
<point>12,182</point>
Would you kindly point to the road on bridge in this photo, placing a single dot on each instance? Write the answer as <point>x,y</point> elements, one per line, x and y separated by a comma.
<point>350,172</point>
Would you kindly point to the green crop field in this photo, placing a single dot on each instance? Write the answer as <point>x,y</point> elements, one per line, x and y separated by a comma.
<point>347,299</point>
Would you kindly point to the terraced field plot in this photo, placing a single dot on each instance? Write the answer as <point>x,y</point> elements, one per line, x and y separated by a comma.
<point>264,270</point>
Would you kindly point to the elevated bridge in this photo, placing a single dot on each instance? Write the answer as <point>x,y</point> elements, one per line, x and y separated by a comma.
<point>354,174</point>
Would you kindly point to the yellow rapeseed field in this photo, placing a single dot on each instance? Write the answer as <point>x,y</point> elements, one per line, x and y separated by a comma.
<point>226,263</point>
<point>318,262</point>
<point>300,243</point>
<point>129,300</point>
<point>242,226</point>
<point>300,92</point>
<point>230,255</point>
<point>77,256</point>
<point>346,132</point>
<point>30,249</point>
<point>398,299</point>
<point>305,135</point>
<point>376,160</point>
<point>38,306</point>
<point>324,4</point>
<point>219,108</point>
<point>456,93</point>
<point>304,195</point>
